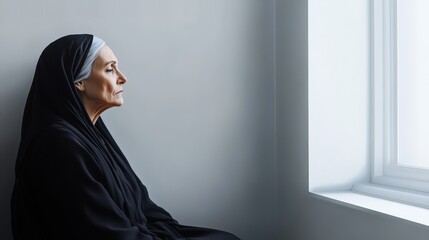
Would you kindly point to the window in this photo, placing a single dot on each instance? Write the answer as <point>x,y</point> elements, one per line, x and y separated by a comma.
<point>400,101</point>
<point>358,106</point>
<point>412,80</point>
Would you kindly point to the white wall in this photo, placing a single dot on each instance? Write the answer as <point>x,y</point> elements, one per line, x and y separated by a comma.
<point>338,93</point>
<point>301,215</point>
<point>198,122</point>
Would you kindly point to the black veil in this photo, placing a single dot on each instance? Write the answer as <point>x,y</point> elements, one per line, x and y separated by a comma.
<point>52,93</point>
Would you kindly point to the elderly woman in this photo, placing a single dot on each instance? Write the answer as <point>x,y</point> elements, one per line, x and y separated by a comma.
<point>72,180</point>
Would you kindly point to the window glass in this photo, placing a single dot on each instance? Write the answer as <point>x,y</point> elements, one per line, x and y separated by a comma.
<point>413,82</point>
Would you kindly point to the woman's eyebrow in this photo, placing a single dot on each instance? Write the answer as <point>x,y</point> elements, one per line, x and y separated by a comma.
<point>110,62</point>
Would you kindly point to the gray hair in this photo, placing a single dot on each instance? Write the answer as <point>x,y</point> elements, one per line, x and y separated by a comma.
<point>96,45</point>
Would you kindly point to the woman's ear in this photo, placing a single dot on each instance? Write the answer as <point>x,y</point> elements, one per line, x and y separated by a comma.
<point>80,86</point>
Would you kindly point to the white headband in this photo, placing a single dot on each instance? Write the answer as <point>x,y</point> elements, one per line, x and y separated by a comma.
<point>96,45</point>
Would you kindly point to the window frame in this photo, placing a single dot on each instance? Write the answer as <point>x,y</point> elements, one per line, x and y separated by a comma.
<point>340,134</point>
<point>385,168</point>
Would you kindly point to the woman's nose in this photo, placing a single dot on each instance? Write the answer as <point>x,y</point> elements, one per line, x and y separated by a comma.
<point>121,78</point>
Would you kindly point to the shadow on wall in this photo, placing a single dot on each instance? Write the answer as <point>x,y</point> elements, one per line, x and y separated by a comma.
<point>13,94</point>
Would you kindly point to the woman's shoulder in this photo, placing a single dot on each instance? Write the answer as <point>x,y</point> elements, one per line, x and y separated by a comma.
<point>60,154</point>
<point>59,130</point>
<point>60,136</point>
<point>61,140</point>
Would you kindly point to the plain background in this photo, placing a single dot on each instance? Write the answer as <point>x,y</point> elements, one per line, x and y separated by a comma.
<point>216,113</point>
<point>198,120</point>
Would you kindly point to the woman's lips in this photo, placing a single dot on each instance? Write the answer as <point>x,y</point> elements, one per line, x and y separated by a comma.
<point>119,92</point>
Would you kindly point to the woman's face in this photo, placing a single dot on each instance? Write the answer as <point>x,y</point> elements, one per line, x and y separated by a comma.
<point>103,88</point>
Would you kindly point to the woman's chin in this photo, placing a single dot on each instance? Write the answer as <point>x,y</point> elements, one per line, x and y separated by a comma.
<point>119,103</point>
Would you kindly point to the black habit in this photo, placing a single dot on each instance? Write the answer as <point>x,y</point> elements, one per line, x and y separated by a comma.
<point>72,180</point>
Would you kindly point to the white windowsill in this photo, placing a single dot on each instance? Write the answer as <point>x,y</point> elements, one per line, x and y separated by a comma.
<point>404,211</point>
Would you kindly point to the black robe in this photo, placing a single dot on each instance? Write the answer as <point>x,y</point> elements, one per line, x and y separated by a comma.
<point>72,180</point>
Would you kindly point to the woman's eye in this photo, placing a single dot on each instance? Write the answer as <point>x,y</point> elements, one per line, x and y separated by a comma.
<point>110,70</point>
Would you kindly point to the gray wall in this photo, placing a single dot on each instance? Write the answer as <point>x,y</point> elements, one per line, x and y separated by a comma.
<point>302,216</point>
<point>198,122</point>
